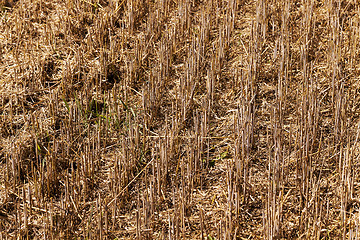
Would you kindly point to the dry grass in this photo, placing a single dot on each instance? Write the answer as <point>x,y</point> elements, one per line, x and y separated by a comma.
<point>179,119</point>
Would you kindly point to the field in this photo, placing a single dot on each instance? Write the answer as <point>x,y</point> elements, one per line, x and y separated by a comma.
<point>179,119</point>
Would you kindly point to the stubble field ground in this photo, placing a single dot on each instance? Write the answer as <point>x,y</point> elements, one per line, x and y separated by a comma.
<point>178,119</point>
